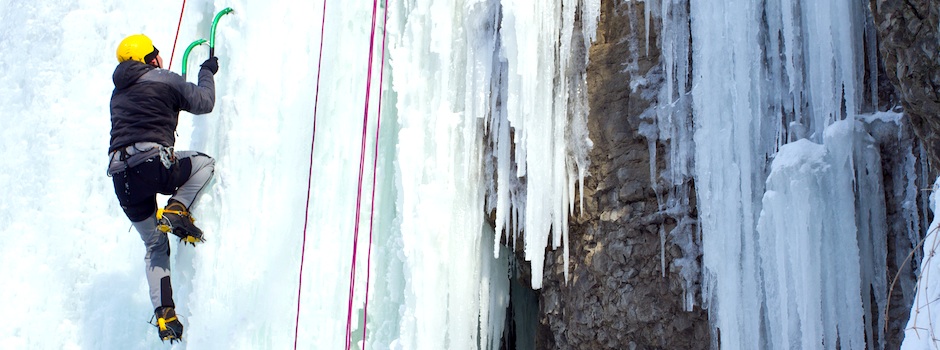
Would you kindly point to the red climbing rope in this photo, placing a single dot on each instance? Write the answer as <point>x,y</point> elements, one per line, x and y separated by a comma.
<point>178,25</point>
<point>375,166</point>
<point>362,155</point>
<point>313,138</point>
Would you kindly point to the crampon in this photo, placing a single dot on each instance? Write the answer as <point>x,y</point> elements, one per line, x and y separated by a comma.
<point>168,325</point>
<point>176,219</point>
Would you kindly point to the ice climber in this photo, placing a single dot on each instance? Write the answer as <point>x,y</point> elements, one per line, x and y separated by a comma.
<point>145,106</point>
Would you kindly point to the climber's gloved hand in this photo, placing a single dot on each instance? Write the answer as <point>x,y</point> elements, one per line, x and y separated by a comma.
<point>212,64</point>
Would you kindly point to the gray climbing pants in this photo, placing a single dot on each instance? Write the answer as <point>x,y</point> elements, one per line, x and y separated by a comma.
<point>136,187</point>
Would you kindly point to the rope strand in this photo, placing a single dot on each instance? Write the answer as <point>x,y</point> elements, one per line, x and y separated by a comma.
<point>362,155</point>
<point>178,25</point>
<point>375,166</point>
<point>313,138</point>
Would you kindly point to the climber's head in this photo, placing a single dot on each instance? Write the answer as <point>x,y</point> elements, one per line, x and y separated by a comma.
<point>139,47</point>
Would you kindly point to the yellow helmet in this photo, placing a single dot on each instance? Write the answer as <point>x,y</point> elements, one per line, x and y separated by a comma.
<point>137,47</point>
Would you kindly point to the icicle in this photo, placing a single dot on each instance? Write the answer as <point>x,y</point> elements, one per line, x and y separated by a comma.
<point>545,108</point>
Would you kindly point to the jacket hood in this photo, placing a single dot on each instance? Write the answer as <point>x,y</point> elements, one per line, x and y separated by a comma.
<point>128,72</point>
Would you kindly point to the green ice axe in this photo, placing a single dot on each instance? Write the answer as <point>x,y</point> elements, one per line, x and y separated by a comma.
<point>186,54</point>
<point>215,23</point>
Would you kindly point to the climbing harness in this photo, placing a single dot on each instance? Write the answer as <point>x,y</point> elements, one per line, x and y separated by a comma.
<point>133,155</point>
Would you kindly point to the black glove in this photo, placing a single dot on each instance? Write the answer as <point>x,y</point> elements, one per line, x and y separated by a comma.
<point>212,64</point>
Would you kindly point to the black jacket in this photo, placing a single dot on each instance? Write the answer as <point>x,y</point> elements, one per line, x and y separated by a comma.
<point>146,102</point>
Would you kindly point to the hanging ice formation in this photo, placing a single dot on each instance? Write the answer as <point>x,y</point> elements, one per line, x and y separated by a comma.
<point>517,67</point>
<point>788,183</point>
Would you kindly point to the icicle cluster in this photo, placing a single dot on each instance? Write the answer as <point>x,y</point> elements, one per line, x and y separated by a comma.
<point>546,106</point>
<point>789,231</point>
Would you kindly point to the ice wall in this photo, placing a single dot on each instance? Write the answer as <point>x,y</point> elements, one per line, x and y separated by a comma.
<point>440,76</point>
<point>77,268</point>
<point>766,75</point>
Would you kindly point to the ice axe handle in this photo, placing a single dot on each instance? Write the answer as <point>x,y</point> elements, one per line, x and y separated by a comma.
<point>186,54</point>
<point>215,23</point>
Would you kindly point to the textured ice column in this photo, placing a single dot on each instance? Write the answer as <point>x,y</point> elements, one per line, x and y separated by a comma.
<point>728,172</point>
<point>442,58</point>
<point>538,38</point>
<point>845,141</point>
<point>789,238</point>
<point>809,249</point>
<point>832,32</point>
<point>872,233</point>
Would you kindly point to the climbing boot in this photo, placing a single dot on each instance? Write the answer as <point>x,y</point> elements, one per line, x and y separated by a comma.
<point>175,219</point>
<point>168,325</point>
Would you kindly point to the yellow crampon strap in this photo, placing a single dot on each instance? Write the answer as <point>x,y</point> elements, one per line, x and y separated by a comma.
<point>161,322</point>
<point>165,228</point>
<point>188,239</point>
<point>160,212</point>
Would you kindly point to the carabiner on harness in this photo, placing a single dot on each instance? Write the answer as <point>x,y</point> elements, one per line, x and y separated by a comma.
<point>167,156</point>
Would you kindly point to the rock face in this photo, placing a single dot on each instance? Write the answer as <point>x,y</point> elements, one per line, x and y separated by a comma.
<point>617,295</point>
<point>908,42</point>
